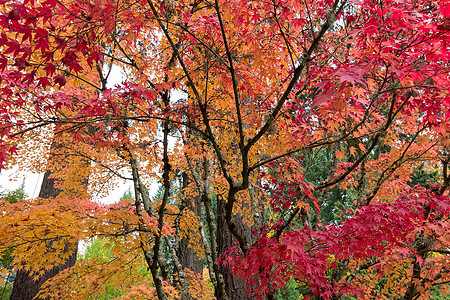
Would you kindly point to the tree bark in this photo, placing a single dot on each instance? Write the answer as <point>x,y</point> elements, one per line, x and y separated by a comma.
<point>188,257</point>
<point>25,288</point>
<point>234,287</point>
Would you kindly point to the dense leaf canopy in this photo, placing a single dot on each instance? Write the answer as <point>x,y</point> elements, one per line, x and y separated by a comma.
<point>258,118</point>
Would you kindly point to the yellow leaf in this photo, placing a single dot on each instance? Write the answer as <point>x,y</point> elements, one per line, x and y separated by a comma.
<point>340,154</point>
<point>362,147</point>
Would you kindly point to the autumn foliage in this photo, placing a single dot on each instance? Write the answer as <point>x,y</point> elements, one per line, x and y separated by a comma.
<point>257,118</point>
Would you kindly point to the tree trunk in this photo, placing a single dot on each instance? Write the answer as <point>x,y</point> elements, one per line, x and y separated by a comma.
<point>187,256</point>
<point>234,287</point>
<point>25,288</point>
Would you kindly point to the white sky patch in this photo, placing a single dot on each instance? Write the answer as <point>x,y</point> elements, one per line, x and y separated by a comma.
<point>12,179</point>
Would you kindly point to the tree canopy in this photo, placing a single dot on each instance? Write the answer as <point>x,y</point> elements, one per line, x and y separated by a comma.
<point>296,143</point>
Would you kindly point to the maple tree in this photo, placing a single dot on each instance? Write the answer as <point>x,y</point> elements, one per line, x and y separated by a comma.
<point>253,115</point>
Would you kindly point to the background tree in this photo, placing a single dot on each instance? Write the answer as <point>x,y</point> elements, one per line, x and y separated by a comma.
<point>25,284</point>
